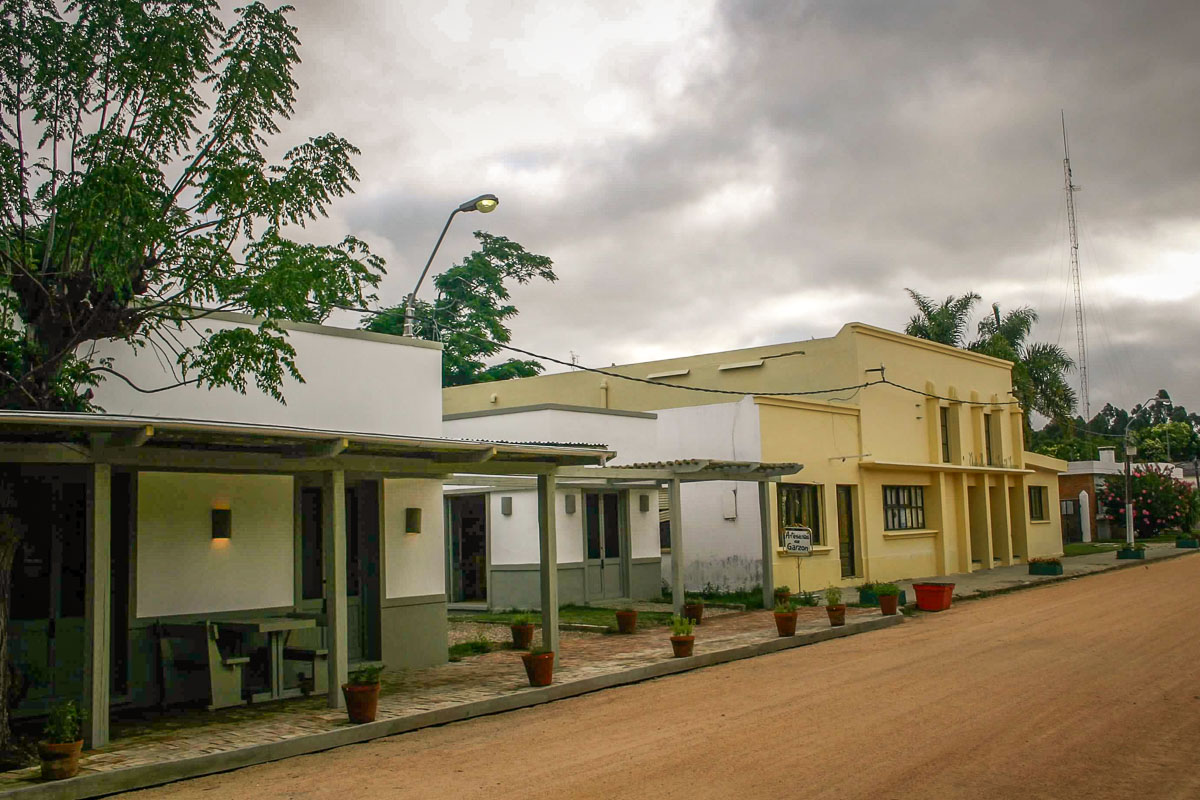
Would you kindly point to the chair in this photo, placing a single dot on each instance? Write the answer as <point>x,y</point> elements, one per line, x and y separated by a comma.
<point>224,674</point>
<point>317,661</point>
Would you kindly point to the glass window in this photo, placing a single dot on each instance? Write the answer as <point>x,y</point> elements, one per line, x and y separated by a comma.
<point>800,504</point>
<point>945,417</point>
<point>1037,503</point>
<point>903,508</point>
<point>988,433</point>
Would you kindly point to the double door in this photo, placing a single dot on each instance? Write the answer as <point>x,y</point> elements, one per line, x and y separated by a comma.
<point>606,541</point>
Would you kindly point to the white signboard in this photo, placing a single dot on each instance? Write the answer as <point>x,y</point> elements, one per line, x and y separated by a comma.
<point>797,541</point>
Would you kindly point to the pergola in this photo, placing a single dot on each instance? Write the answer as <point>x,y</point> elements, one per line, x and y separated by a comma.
<point>103,442</point>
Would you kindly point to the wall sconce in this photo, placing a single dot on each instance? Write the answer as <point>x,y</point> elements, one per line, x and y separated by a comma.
<point>569,502</point>
<point>506,506</point>
<point>644,503</point>
<point>412,520</point>
<point>222,523</point>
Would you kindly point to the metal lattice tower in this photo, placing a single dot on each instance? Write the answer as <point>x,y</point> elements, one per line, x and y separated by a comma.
<point>1080,330</point>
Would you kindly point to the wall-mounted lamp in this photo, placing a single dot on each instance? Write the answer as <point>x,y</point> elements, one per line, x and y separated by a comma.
<point>569,502</point>
<point>506,506</point>
<point>222,523</point>
<point>412,520</point>
<point>644,503</point>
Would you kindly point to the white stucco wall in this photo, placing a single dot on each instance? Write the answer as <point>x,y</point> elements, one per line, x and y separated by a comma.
<point>514,538</point>
<point>643,525</point>
<point>631,436</point>
<point>363,383</point>
<point>181,569</point>
<point>718,551</point>
<point>729,431</point>
<point>414,563</point>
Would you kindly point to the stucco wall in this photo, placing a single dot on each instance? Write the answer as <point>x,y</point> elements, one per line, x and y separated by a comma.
<point>354,381</point>
<point>181,569</point>
<point>514,538</point>
<point>414,563</point>
<point>631,437</point>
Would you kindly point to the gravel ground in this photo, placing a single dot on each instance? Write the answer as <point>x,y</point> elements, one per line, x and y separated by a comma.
<point>1082,689</point>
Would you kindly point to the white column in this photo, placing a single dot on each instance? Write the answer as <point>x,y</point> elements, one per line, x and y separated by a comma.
<point>97,605</point>
<point>1085,516</point>
<point>676,545</point>
<point>333,534</point>
<point>768,544</point>
<point>548,561</point>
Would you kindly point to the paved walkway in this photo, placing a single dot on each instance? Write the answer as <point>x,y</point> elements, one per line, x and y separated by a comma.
<point>153,738</point>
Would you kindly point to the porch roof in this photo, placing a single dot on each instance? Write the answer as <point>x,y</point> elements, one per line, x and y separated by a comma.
<point>183,443</point>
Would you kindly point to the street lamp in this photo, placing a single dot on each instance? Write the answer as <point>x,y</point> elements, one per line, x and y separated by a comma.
<point>1130,452</point>
<point>484,204</point>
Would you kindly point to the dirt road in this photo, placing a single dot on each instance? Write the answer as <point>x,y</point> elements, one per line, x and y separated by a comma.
<point>1087,689</point>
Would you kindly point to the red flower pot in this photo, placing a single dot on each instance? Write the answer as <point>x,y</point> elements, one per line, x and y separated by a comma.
<point>59,760</point>
<point>362,702</point>
<point>539,668</point>
<point>889,604</point>
<point>785,623</point>
<point>626,621</point>
<point>522,636</point>
<point>933,596</point>
<point>693,611</point>
<point>682,645</point>
<point>837,615</point>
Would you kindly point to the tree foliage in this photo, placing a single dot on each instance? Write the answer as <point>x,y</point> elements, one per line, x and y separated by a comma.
<point>1160,502</point>
<point>470,310</point>
<point>136,191</point>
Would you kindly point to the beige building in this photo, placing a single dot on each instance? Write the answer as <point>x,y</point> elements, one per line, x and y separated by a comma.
<point>921,472</point>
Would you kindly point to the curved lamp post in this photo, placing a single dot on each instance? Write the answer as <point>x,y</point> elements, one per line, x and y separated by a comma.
<point>1130,452</point>
<point>484,204</point>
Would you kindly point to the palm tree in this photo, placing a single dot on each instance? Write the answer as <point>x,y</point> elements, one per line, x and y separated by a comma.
<point>945,323</point>
<point>1039,368</point>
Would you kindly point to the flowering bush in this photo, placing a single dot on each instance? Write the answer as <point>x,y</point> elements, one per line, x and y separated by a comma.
<point>1160,502</point>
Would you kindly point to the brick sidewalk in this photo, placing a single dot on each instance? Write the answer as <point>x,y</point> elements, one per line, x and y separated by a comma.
<point>153,738</point>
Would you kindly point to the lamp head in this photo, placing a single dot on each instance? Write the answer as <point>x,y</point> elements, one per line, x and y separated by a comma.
<point>484,204</point>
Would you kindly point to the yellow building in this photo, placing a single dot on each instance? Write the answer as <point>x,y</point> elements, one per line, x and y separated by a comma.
<point>924,474</point>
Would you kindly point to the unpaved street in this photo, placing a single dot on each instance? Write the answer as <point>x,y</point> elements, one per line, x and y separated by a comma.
<point>1086,689</point>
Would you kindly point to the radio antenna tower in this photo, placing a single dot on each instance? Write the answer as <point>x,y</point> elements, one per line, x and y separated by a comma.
<point>1080,331</point>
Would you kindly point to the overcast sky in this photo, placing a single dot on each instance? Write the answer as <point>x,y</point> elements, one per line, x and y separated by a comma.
<point>708,176</point>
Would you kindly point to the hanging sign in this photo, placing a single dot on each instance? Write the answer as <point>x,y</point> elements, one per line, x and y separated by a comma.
<point>797,540</point>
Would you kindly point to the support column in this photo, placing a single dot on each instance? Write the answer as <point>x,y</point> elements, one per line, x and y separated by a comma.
<point>333,535</point>
<point>97,606</point>
<point>768,544</point>
<point>548,560</point>
<point>676,545</point>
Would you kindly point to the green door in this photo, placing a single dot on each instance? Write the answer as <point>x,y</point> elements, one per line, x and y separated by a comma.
<point>846,531</point>
<point>604,531</point>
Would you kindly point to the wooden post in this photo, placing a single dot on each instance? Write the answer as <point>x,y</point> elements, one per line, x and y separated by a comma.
<point>97,606</point>
<point>676,545</point>
<point>333,533</point>
<point>768,545</point>
<point>548,560</point>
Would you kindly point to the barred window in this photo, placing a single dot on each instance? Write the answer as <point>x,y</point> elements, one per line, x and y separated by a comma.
<point>1037,503</point>
<point>903,508</point>
<point>800,504</point>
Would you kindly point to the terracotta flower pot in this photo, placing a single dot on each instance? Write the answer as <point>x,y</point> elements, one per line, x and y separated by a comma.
<point>682,645</point>
<point>626,621</point>
<point>693,611</point>
<point>837,615</point>
<point>362,701</point>
<point>59,760</point>
<point>934,596</point>
<point>889,604</point>
<point>522,636</point>
<point>539,668</point>
<point>785,622</point>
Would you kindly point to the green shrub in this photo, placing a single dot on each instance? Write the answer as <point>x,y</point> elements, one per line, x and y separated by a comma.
<point>833,596</point>
<point>681,626</point>
<point>65,724</point>
<point>1160,501</point>
<point>785,608</point>
<point>366,675</point>
<point>523,619</point>
<point>1047,560</point>
<point>887,590</point>
<point>808,599</point>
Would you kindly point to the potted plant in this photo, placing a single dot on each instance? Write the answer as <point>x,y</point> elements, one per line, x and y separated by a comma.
<point>62,742</point>
<point>522,632</point>
<point>693,609</point>
<point>782,594</point>
<point>627,620</point>
<point>1045,566</point>
<point>682,640</point>
<point>785,618</point>
<point>362,693</point>
<point>933,596</point>
<point>808,599</point>
<point>834,606</point>
<point>1187,540</point>
<point>867,594</point>
<point>1136,550</point>
<point>889,598</point>
<point>539,666</point>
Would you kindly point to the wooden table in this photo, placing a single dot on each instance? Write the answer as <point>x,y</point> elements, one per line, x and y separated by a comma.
<point>274,627</point>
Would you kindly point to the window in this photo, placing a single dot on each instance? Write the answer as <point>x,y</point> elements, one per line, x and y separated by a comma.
<point>903,508</point>
<point>800,504</point>
<point>988,433</point>
<point>945,417</point>
<point>1038,503</point>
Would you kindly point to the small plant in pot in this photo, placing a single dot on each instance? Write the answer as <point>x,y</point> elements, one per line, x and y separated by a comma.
<point>362,693</point>
<point>62,742</point>
<point>889,598</point>
<point>782,594</point>
<point>693,609</point>
<point>522,632</point>
<point>835,607</point>
<point>539,666</point>
<point>627,620</point>
<point>1045,566</point>
<point>682,638</point>
<point>785,618</point>
<point>808,599</point>
<point>1136,550</point>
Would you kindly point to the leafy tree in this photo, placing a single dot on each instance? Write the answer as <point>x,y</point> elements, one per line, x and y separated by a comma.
<point>946,322</point>
<point>471,308</point>
<point>1039,368</point>
<point>136,191</point>
<point>1167,441</point>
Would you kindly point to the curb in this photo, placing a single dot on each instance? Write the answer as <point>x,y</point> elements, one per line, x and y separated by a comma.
<point>98,784</point>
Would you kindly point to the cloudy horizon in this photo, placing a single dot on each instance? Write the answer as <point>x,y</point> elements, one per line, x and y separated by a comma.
<point>708,176</point>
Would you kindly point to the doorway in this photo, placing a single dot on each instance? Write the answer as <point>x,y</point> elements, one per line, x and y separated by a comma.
<point>468,548</point>
<point>846,531</point>
<point>606,542</point>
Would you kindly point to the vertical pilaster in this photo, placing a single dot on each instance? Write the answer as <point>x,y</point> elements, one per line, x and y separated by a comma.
<point>97,605</point>
<point>548,560</point>
<point>676,545</point>
<point>333,530</point>
<point>768,543</point>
